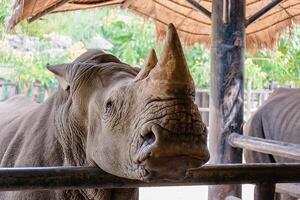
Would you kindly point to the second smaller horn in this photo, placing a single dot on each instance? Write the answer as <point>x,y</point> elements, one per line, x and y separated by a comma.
<point>148,66</point>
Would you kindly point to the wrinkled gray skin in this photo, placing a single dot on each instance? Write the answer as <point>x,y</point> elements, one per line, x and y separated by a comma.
<point>278,119</point>
<point>132,126</point>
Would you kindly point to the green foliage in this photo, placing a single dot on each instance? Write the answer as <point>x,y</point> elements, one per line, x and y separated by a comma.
<point>254,75</point>
<point>29,68</point>
<point>132,38</point>
<point>79,25</point>
<point>4,12</point>
<point>131,41</point>
<point>283,63</point>
<point>198,59</point>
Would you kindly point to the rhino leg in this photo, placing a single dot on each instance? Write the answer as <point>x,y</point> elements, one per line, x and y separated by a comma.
<point>255,157</point>
<point>125,194</point>
<point>286,197</point>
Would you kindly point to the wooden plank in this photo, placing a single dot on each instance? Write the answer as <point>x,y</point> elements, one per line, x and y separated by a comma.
<point>202,90</point>
<point>126,3</point>
<point>48,10</point>
<point>264,191</point>
<point>227,89</point>
<point>205,104</point>
<point>248,111</point>
<point>203,109</point>
<point>11,89</point>
<point>200,8</point>
<point>49,178</point>
<point>202,100</point>
<point>277,148</point>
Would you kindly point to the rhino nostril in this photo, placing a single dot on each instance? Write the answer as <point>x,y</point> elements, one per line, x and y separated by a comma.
<point>149,138</point>
<point>144,151</point>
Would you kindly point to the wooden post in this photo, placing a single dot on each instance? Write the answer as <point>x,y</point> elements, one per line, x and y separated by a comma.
<point>2,89</point>
<point>249,102</point>
<point>264,191</point>
<point>227,88</point>
<point>6,95</point>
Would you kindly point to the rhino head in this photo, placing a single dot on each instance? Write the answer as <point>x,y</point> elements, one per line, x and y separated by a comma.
<point>139,125</point>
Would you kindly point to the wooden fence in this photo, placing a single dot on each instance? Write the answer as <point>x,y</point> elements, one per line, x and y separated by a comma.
<point>37,91</point>
<point>253,99</point>
<point>265,176</point>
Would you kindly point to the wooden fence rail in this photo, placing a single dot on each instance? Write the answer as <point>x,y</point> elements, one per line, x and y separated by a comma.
<point>277,148</point>
<point>45,178</point>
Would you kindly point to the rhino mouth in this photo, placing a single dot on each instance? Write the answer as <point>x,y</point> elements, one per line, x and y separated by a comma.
<point>173,169</point>
<point>167,155</point>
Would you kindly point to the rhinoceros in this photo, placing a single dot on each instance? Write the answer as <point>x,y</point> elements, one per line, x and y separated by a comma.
<point>277,119</point>
<point>136,124</point>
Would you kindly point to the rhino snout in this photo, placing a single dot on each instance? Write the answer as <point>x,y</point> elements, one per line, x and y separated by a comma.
<point>168,154</point>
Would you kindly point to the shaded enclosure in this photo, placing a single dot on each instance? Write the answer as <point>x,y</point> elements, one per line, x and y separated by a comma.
<point>228,27</point>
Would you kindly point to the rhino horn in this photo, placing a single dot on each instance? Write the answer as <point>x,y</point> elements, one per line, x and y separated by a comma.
<point>171,75</point>
<point>60,72</point>
<point>148,66</point>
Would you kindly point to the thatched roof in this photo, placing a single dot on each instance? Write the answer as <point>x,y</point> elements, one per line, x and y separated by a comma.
<point>193,26</point>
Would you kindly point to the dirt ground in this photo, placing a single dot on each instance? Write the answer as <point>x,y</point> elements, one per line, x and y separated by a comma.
<point>185,193</point>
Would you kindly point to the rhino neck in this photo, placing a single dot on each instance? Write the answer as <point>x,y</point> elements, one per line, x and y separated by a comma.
<point>71,138</point>
<point>69,132</point>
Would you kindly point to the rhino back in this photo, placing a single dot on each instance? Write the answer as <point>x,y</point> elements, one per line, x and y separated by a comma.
<point>278,119</point>
<point>14,107</point>
<point>26,141</point>
<point>25,134</point>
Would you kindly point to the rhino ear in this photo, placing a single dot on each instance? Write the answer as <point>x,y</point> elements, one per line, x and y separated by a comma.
<point>60,72</point>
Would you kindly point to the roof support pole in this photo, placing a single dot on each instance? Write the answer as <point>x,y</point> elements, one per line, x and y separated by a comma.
<point>200,8</point>
<point>227,88</point>
<point>263,11</point>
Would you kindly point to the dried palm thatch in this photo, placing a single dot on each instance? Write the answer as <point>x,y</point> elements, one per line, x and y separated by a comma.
<point>193,26</point>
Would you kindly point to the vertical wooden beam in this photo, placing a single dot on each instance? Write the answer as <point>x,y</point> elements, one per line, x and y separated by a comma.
<point>264,191</point>
<point>227,89</point>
